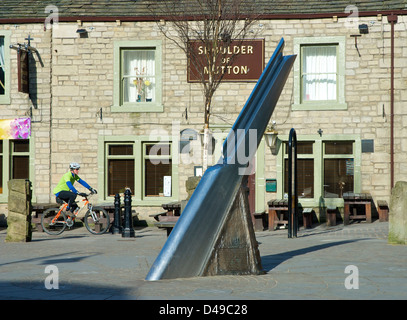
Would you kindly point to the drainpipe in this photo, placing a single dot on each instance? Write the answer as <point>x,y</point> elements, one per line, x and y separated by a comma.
<point>392,19</point>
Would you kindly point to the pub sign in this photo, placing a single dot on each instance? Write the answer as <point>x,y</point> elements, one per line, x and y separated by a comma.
<point>241,60</point>
<point>23,71</point>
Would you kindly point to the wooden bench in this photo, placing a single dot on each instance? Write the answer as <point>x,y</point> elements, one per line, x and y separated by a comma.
<point>157,216</point>
<point>331,215</point>
<point>168,218</point>
<point>258,219</point>
<point>277,210</point>
<point>168,225</point>
<point>173,208</point>
<point>383,210</point>
<point>37,211</point>
<point>357,200</point>
<point>307,217</point>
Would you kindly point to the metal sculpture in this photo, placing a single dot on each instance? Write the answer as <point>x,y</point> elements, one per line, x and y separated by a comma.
<point>191,242</point>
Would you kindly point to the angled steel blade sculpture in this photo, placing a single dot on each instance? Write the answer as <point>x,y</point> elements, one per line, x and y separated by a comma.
<point>188,248</point>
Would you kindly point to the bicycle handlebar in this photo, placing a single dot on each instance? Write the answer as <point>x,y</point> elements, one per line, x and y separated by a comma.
<point>86,195</point>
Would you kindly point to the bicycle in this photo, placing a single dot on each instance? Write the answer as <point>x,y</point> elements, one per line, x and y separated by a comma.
<point>55,220</point>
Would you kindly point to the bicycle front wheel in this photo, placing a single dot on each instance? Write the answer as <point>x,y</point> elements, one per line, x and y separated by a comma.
<point>52,224</point>
<point>97,221</point>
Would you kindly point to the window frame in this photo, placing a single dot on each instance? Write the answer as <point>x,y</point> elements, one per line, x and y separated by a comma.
<point>7,166</point>
<point>319,157</point>
<point>109,157</point>
<point>339,103</point>
<point>154,158</point>
<point>118,105</point>
<point>300,156</point>
<point>14,154</point>
<point>337,156</point>
<point>138,143</point>
<point>304,74</point>
<point>5,99</point>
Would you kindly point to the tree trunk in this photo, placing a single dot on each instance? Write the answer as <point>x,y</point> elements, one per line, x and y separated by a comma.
<point>205,148</point>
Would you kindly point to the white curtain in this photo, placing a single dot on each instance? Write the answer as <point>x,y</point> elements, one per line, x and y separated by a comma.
<point>319,73</point>
<point>2,66</point>
<point>138,75</point>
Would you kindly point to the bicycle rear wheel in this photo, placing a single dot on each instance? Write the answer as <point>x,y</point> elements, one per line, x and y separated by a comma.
<point>97,221</point>
<point>53,227</point>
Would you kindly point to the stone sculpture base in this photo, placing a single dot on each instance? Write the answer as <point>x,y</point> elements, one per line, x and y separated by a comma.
<point>19,211</point>
<point>236,249</point>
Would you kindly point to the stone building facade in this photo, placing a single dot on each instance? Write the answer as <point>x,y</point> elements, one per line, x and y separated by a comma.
<point>83,107</point>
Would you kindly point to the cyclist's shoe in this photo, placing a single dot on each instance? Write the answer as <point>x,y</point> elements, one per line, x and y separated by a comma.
<point>71,214</point>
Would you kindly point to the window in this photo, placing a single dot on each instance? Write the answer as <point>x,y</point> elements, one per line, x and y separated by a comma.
<point>338,168</point>
<point>137,76</point>
<point>146,167</point>
<point>1,166</point>
<point>327,167</point>
<point>14,163</point>
<point>305,169</point>
<point>20,159</point>
<point>4,67</point>
<point>318,73</point>
<point>319,69</point>
<point>120,164</point>
<point>157,165</point>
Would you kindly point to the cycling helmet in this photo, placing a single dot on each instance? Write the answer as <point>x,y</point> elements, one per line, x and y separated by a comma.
<point>74,165</point>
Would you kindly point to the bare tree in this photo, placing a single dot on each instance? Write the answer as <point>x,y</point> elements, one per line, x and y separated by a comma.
<point>204,29</point>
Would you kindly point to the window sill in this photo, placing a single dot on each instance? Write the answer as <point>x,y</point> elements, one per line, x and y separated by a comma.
<point>138,107</point>
<point>319,106</point>
<point>316,202</point>
<point>5,99</point>
<point>151,202</point>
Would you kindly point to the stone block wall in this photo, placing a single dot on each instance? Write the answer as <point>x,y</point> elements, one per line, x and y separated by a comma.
<point>75,81</point>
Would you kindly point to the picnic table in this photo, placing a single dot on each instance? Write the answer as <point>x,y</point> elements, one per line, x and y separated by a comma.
<point>383,210</point>
<point>277,211</point>
<point>169,217</point>
<point>362,206</point>
<point>173,208</point>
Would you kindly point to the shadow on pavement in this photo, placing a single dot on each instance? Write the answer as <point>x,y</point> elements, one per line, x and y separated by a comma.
<point>65,257</point>
<point>35,290</point>
<point>269,262</point>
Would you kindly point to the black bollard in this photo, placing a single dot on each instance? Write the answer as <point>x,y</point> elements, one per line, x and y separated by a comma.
<point>128,231</point>
<point>117,224</point>
<point>292,185</point>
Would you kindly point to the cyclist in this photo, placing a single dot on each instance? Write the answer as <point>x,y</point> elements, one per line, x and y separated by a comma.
<point>67,192</point>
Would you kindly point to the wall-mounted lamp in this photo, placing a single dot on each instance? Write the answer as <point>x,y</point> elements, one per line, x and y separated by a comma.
<point>320,132</point>
<point>83,33</point>
<point>363,29</point>
<point>271,140</point>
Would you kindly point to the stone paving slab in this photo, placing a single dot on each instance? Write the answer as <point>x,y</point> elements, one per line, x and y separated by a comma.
<point>109,267</point>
